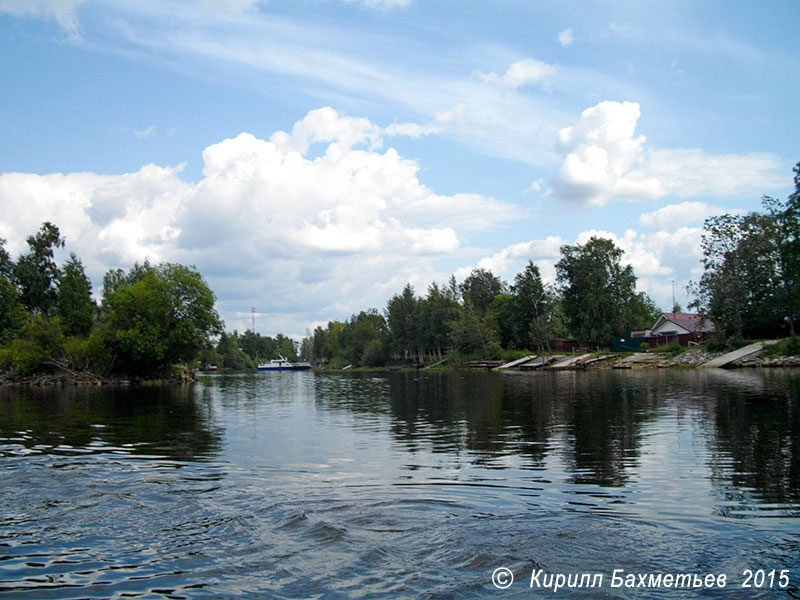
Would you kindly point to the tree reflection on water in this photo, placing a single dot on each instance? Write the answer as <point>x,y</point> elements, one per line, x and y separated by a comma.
<point>149,419</point>
<point>594,420</point>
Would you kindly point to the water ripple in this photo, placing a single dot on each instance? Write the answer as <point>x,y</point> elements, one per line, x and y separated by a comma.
<point>366,487</point>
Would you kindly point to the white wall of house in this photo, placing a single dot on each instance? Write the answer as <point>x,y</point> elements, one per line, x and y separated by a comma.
<point>666,327</point>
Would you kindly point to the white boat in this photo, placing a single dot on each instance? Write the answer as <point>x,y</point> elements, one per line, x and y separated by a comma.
<point>282,364</point>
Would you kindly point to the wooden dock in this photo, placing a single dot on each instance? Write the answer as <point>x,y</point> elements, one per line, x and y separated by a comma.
<point>573,362</point>
<point>516,363</point>
<point>484,364</point>
<point>539,363</point>
<point>546,362</point>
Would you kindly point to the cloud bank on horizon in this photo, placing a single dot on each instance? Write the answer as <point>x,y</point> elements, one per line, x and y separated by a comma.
<point>399,168</point>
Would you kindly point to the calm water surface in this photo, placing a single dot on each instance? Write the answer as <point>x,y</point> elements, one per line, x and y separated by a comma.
<point>296,485</point>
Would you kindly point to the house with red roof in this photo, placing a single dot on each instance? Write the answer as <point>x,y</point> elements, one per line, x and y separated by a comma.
<point>683,328</point>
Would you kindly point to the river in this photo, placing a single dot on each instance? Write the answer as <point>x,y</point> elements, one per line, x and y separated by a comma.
<point>405,485</point>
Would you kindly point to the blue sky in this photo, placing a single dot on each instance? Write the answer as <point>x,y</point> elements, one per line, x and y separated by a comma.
<point>311,157</point>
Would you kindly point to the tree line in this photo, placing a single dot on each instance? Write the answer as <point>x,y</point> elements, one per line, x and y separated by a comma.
<point>153,317</point>
<point>150,317</point>
<point>245,351</point>
<point>750,288</point>
<point>594,299</point>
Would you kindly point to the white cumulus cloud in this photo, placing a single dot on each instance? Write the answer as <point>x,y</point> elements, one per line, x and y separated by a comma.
<point>604,160</point>
<point>311,224</point>
<point>602,157</point>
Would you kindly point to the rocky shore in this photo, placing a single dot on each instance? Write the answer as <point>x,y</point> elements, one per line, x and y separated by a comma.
<point>777,361</point>
<point>695,357</point>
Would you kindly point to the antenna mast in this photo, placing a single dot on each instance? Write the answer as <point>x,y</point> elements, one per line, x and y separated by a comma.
<point>253,318</point>
<point>673,295</point>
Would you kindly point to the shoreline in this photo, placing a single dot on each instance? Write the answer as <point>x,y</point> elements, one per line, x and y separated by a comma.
<point>56,380</point>
<point>693,358</point>
<point>688,359</point>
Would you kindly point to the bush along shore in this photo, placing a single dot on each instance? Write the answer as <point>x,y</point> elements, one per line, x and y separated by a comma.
<point>150,320</point>
<point>769,357</point>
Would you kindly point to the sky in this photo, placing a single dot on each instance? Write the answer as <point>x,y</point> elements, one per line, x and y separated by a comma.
<point>311,157</point>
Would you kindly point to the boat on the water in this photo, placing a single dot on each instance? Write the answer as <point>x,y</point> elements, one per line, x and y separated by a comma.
<point>282,364</point>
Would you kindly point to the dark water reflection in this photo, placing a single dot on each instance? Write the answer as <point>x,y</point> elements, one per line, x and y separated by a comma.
<point>157,419</point>
<point>295,485</point>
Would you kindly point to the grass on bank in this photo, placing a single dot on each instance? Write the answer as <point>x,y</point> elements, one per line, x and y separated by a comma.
<point>789,346</point>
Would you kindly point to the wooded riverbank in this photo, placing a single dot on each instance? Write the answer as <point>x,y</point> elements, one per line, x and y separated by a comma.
<point>693,358</point>
<point>688,359</point>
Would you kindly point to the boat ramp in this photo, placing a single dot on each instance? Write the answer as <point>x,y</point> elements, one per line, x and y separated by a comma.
<point>726,359</point>
<point>553,362</point>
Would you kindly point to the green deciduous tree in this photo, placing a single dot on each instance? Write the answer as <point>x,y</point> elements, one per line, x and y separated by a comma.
<point>318,344</point>
<point>286,346</point>
<point>11,311</point>
<point>750,286</point>
<point>473,332</point>
<point>785,231</point>
<point>6,266</point>
<point>503,312</point>
<point>361,340</point>
<point>38,345</point>
<point>334,349</point>
<point>643,312</point>
<point>258,347</point>
<point>365,338</point>
<point>722,288</point>
<point>230,355</point>
<point>534,309</point>
<point>163,317</point>
<point>480,288</point>
<point>599,293</point>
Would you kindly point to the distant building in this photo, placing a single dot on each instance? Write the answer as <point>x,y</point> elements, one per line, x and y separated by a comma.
<point>680,324</point>
<point>684,328</point>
